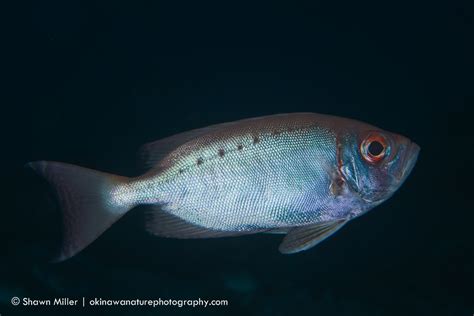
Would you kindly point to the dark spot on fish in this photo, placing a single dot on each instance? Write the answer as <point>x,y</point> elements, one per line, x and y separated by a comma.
<point>181,171</point>
<point>239,147</point>
<point>275,133</point>
<point>199,161</point>
<point>256,140</point>
<point>221,152</point>
<point>290,129</point>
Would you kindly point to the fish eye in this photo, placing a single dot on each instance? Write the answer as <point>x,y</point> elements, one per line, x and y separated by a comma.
<point>374,148</point>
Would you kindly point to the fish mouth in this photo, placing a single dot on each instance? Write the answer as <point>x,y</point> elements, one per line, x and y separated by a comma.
<point>409,162</point>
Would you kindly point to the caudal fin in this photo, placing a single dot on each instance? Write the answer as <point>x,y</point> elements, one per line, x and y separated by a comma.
<point>86,198</point>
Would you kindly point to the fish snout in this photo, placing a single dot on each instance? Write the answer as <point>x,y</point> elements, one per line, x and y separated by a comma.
<point>409,160</point>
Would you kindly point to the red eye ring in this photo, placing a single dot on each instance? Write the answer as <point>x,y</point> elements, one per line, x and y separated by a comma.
<point>374,148</point>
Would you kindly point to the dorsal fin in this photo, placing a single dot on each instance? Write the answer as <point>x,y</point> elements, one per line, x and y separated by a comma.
<point>152,153</point>
<point>164,224</point>
<point>303,238</point>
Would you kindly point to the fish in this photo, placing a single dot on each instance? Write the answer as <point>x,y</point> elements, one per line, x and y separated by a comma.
<point>303,175</point>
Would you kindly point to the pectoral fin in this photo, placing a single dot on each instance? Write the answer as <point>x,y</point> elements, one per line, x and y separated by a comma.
<point>302,238</point>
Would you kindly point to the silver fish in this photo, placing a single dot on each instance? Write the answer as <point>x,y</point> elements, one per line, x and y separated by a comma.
<point>303,174</point>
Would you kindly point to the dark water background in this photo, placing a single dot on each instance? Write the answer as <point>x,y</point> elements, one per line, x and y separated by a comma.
<point>89,82</point>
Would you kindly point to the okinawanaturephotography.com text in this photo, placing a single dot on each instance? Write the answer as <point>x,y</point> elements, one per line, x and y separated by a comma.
<point>101,302</point>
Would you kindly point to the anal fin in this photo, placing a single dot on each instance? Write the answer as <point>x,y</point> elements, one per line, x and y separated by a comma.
<point>305,237</point>
<point>164,224</point>
<point>279,231</point>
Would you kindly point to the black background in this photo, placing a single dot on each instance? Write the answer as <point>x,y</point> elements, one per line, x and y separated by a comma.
<point>89,82</point>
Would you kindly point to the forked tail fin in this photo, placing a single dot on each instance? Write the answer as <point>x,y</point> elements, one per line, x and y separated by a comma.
<point>86,198</point>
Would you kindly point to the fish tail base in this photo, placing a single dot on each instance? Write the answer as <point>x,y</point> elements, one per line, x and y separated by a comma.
<point>85,198</point>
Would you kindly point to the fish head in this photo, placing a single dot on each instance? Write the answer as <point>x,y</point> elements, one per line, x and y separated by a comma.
<point>375,163</point>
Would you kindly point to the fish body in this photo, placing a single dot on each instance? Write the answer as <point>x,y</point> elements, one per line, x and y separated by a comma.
<point>251,176</point>
<point>302,174</point>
